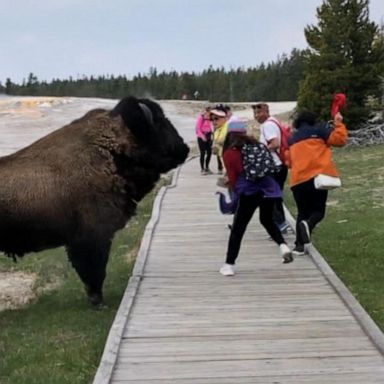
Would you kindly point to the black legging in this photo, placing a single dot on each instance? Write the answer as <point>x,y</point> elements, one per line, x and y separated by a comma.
<point>278,210</point>
<point>205,148</point>
<point>244,212</point>
<point>311,204</point>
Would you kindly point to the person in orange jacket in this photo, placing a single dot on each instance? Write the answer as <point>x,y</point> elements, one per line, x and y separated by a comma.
<point>310,154</point>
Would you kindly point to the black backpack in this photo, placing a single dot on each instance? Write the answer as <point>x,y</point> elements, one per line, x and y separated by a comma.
<point>257,161</point>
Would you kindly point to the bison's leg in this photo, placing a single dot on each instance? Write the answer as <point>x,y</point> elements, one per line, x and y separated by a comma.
<point>90,261</point>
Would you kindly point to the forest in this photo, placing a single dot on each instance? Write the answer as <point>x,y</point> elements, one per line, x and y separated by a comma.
<point>276,81</point>
<point>345,54</point>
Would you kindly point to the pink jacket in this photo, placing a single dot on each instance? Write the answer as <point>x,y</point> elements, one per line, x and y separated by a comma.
<point>203,127</point>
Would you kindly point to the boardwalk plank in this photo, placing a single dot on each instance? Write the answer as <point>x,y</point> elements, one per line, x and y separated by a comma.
<point>270,323</point>
<point>253,367</point>
<point>335,378</point>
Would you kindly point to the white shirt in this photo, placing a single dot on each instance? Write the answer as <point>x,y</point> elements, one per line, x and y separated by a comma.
<point>268,131</point>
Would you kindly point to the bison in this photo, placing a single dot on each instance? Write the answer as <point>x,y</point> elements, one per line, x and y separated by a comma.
<point>80,184</point>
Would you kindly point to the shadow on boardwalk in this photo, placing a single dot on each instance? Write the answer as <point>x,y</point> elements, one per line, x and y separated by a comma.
<point>181,322</point>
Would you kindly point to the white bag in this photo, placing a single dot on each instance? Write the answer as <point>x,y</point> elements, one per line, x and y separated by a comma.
<point>322,181</point>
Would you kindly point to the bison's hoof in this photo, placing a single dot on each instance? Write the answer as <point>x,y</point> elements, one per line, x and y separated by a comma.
<point>100,306</point>
<point>96,299</point>
<point>97,302</point>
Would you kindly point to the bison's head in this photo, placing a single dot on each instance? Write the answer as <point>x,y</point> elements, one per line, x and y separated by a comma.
<point>153,132</point>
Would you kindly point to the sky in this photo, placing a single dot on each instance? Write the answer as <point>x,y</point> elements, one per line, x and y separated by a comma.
<point>63,38</point>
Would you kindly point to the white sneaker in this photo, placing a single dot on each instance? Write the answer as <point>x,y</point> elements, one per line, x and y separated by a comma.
<point>299,250</point>
<point>285,253</point>
<point>227,270</point>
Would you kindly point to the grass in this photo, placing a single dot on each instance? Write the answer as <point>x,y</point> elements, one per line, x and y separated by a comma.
<point>351,237</point>
<point>59,338</point>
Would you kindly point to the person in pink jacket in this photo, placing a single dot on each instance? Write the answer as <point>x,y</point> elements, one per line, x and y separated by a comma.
<point>204,140</point>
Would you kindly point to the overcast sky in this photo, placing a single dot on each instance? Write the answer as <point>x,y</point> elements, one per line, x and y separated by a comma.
<point>62,38</point>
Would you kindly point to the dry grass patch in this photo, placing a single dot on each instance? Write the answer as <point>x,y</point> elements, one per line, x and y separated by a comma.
<point>16,289</point>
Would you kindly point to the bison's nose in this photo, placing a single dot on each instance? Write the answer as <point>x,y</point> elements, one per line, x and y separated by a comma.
<point>179,154</point>
<point>184,153</point>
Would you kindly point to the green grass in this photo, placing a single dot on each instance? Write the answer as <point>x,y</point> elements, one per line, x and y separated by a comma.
<point>59,338</point>
<point>351,236</point>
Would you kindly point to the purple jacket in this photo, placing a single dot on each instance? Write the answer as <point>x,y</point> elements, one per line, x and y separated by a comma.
<point>267,185</point>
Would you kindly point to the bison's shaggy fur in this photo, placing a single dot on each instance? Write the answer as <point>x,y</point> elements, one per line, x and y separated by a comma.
<point>78,185</point>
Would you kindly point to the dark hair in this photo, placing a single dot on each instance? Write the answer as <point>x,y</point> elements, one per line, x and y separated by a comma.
<point>304,117</point>
<point>221,107</point>
<point>260,106</point>
<point>237,140</point>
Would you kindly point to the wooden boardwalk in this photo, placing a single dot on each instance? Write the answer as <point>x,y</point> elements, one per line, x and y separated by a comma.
<point>181,322</point>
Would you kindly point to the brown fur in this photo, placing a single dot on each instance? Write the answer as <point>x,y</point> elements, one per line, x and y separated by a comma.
<point>78,185</point>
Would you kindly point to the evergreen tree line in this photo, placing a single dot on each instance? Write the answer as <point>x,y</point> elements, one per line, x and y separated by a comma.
<point>345,54</point>
<point>277,81</point>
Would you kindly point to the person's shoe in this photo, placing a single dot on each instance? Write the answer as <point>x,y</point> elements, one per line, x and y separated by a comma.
<point>285,253</point>
<point>220,172</point>
<point>304,232</point>
<point>208,171</point>
<point>284,227</point>
<point>203,172</point>
<point>227,270</point>
<point>298,250</point>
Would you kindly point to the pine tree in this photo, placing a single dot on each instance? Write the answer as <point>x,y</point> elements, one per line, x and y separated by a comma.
<point>9,86</point>
<point>343,58</point>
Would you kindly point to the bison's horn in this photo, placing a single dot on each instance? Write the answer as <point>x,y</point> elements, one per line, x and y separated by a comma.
<point>147,113</point>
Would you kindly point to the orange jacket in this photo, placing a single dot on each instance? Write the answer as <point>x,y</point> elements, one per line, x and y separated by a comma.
<point>309,151</point>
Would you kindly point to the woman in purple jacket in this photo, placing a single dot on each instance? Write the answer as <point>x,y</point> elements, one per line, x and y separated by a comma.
<point>261,193</point>
<point>204,140</point>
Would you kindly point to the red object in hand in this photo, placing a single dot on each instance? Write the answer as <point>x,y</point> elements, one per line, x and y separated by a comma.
<point>339,101</point>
